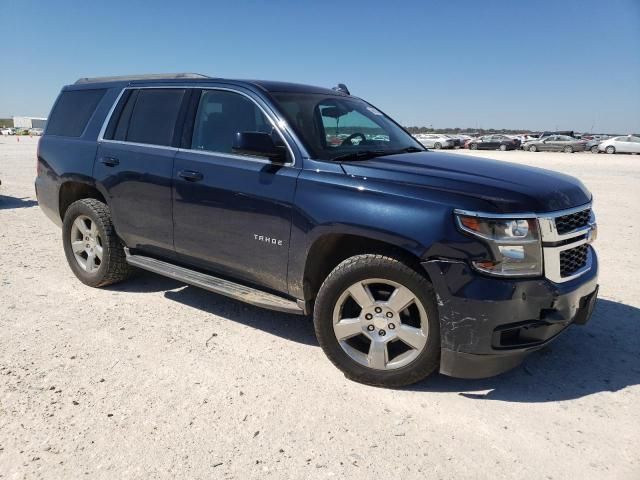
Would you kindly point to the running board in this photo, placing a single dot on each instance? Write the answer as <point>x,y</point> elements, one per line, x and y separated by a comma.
<point>215,284</point>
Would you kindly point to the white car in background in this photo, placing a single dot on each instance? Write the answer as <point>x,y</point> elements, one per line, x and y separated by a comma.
<point>624,144</point>
<point>6,131</point>
<point>36,131</point>
<point>434,140</point>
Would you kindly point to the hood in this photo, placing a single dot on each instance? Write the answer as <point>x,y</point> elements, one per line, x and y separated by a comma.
<point>509,187</point>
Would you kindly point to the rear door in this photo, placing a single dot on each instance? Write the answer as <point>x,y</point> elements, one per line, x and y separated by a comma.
<point>490,143</point>
<point>134,166</point>
<point>549,143</point>
<point>232,213</point>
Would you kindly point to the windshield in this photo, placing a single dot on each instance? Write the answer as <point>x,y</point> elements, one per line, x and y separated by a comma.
<point>333,126</point>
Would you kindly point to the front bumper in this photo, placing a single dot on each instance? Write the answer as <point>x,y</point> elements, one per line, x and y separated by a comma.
<point>489,325</point>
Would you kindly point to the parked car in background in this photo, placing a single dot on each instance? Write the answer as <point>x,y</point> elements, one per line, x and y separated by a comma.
<point>6,131</point>
<point>435,140</point>
<point>493,142</point>
<point>623,144</point>
<point>555,143</point>
<point>592,145</point>
<point>36,131</point>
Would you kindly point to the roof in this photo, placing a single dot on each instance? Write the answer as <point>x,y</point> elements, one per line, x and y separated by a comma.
<point>265,85</point>
<point>147,76</point>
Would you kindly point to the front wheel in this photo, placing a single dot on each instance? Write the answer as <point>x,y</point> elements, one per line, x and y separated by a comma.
<point>437,146</point>
<point>473,146</point>
<point>610,149</point>
<point>568,149</point>
<point>533,148</point>
<point>503,148</point>
<point>376,319</point>
<point>595,149</point>
<point>94,251</point>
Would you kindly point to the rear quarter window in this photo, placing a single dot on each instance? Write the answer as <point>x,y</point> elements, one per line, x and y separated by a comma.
<point>72,111</point>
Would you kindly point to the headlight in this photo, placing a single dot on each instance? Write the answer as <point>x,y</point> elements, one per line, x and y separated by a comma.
<point>515,244</point>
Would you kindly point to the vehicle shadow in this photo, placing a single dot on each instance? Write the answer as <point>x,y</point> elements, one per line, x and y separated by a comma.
<point>297,328</point>
<point>602,356</point>
<point>7,202</point>
<point>146,282</point>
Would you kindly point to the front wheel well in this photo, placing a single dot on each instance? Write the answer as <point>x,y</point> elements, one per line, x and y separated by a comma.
<point>330,250</point>
<point>73,191</point>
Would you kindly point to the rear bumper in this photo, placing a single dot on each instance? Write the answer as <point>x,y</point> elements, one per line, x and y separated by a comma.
<point>47,194</point>
<point>489,325</point>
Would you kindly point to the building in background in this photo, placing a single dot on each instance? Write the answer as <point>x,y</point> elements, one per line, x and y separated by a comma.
<point>29,122</point>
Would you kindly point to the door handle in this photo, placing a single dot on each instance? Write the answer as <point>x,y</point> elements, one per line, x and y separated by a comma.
<point>110,161</point>
<point>190,175</point>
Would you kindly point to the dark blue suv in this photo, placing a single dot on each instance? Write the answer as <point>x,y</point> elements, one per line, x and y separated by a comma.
<point>312,201</point>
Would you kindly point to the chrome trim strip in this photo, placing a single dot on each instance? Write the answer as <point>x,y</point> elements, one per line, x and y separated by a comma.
<point>274,124</point>
<point>514,216</point>
<point>552,262</point>
<point>136,144</point>
<point>235,156</point>
<point>108,117</point>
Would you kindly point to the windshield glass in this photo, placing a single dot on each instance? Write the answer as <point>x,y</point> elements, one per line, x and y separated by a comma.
<point>333,126</point>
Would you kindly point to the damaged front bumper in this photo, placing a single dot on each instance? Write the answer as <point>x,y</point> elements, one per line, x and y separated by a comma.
<point>489,325</point>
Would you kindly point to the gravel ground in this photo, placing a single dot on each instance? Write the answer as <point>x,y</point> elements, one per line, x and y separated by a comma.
<point>155,379</point>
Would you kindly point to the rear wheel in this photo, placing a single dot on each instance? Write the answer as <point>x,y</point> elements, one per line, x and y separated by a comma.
<point>376,319</point>
<point>473,146</point>
<point>568,149</point>
<point>533,148</point>
<point>503,148</point>
<point>94,251</point>
<point>437,145</point>
<point>610,149</point>
<point>595,149</point>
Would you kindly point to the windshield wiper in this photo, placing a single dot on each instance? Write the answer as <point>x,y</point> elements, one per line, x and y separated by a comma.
<point>409,150</point>
<point>361,155</point>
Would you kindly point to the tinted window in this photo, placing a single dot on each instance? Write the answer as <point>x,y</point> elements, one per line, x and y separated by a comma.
<point>153,117</point>
<point>72,111</point>
<point>334,125</point>
<point>221,115</point>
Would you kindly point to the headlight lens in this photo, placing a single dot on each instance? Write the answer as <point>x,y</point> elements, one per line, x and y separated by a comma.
<point>514,243</point>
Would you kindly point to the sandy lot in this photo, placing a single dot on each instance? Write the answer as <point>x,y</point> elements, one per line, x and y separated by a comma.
<point>155,379</point>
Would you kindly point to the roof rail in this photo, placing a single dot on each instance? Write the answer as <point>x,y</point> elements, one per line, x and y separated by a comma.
<point>148,76</point>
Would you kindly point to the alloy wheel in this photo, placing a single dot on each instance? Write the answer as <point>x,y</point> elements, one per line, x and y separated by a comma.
<point>86,243</point>
<point>380,324</point>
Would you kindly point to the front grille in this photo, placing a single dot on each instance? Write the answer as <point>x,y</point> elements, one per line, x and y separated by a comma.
<point>573,259</point>
<point>573,221</point>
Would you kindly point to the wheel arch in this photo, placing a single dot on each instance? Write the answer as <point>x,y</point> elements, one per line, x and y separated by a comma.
<point>330,249</point>
<point>74,190</point>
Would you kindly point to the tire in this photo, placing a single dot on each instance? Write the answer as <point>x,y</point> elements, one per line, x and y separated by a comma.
<point>397,363</point>
<point>595,149</point>
<point>98,235</point>
<point>533,148</point>
<point>503,148</point>
<point>568,149</point>
<point>610,149</point>
<point>473,146</point>
<point>437,146</point>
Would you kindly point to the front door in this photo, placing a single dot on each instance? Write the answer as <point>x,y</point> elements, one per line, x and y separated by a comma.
<point>232,213</point>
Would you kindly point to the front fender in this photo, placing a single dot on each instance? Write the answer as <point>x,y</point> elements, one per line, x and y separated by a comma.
<point>417,221</point>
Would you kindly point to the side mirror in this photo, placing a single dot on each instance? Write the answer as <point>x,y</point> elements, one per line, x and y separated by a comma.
<point>259,144</point>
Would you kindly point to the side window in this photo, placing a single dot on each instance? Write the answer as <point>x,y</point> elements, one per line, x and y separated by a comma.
<point>72,112</point>
<point>221,115</point>
<point>154,115</point>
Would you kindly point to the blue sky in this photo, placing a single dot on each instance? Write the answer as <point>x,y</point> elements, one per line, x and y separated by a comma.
<point>492,64</point>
